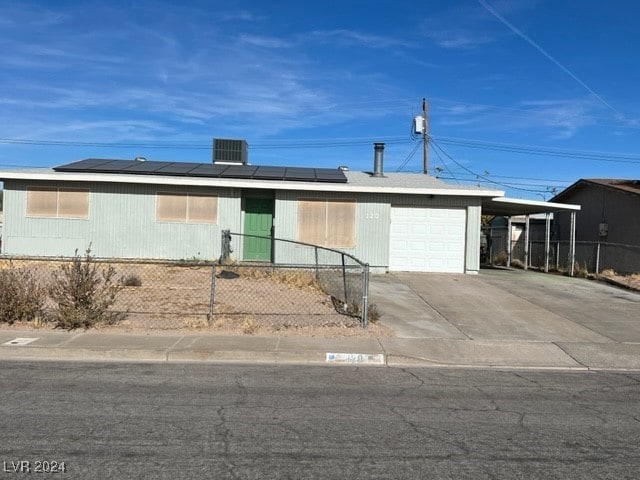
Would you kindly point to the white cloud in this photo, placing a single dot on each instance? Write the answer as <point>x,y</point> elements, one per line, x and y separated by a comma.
<point>355,37</point>
<point>558,119</point>
<point>264,41</point>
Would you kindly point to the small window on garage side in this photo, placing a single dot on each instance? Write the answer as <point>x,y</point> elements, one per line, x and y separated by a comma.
<point>183,207</point>
<point>52,202</point>
<point>330,223</point>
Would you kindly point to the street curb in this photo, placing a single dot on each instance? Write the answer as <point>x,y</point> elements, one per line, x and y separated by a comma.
<point>400,361</point>
<point>267,357</point>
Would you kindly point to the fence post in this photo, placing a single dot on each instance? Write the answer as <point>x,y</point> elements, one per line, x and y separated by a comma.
<point>225,246</point>
<point>597,258</point>
<point>344,281</point>
<point>527,243</point>
<point>273,245</point>
<point>557,255</point>
<point>212,294</point>
<point>572,245</point>
<point>547,237</point>
<point>317,270</point>
<point>365,295</point>
<point>509,246</point>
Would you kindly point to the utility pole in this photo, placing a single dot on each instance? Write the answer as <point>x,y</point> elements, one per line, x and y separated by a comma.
<point>425,137</point>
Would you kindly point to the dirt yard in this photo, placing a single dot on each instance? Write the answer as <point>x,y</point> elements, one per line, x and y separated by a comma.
<point>245,301</point>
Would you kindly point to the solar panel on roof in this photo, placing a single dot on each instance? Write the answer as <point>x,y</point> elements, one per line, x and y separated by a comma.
<point>176,168</point>
<point>269,173</point>
<point>114,166</point>
<point>145,167</point>
<point>239,171</point>
<point>300,174</point>
<point>207,170</point>
<point>81,165</point>
<point>330,175</point>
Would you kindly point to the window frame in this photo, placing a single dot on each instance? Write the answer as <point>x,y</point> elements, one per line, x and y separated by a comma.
<point>327,233</point>
<point>187,217</point>
<point>57,214</point>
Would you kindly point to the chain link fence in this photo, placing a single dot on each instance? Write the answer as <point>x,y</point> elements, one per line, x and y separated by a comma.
<point>330,291</point>
<point>338,274</point>
<point>593,257</point>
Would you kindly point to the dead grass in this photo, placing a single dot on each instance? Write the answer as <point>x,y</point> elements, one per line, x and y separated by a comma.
<point>631,281</point>
<point>258,302</point>
<point>500,259</point>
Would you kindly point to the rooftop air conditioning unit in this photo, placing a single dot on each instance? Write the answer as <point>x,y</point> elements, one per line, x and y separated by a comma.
<point>230,152</point>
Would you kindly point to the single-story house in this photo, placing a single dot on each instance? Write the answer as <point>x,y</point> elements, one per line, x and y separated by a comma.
<point>609,211</point>
<point>177,210</point>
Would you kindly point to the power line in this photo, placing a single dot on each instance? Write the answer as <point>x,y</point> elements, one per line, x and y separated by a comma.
<point>477,175</point>
<point>543,151</point>
<point>409,157</point>
<point>207,146</point>
<point>445,164</point>
<point>357,141</point>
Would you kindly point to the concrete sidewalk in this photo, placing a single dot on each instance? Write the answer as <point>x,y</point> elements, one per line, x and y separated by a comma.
<point>501,320</point>
<point>99,346</point>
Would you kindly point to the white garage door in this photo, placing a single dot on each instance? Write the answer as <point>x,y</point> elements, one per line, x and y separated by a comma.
<point>427,239</point>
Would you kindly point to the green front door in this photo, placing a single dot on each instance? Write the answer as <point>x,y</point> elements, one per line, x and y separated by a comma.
<point>258,219</point>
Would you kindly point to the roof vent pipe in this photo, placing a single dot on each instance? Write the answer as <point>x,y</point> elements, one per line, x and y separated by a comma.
<point>378,149</point>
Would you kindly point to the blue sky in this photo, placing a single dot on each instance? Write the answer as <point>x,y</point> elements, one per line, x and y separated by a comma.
<point>530,95</point>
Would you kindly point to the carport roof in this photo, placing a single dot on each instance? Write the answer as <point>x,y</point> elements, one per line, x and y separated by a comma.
<point>509,207</point>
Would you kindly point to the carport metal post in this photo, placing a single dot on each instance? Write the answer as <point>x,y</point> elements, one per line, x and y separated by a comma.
<point>547,238</point>
<point>508,241</point>
<point>526,241</point>
<point>572,244</point>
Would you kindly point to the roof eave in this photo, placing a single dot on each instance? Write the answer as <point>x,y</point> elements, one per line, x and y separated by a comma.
<point>50,175</point>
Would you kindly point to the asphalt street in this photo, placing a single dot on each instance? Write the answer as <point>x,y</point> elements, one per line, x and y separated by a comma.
<point>117,420</point>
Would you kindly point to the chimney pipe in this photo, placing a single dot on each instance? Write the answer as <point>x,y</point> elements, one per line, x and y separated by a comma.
<point>377,159</point>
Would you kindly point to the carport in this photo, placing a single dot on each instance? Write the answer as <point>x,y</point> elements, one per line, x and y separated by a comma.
<point>509,207</point>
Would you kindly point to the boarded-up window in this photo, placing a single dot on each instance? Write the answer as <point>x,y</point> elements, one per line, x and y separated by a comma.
<point>202,209</point>
<point>186,208</point>
<point>171,207</point>
<point>57,202</point>
<point>331,223</point>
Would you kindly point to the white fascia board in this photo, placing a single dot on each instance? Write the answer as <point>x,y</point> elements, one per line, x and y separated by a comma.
<point>537,203</point>
<point>240,183</point>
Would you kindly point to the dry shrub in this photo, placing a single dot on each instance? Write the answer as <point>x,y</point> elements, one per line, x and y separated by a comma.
<point>517,263</point>
<point>300,279</point>
<point>373,313</point>
<point>196,322</point>
<point>21,297</point>
<point>500,259</point>
<point>580,270</point>
<point>609,272</point>
<point>84,294</point>
<point>250,326</point>
<point>132,280</point>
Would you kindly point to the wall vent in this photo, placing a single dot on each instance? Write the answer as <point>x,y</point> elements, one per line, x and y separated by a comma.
<point>230,152</point>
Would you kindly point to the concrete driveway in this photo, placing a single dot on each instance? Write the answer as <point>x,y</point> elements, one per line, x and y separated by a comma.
<point>506,305</point>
